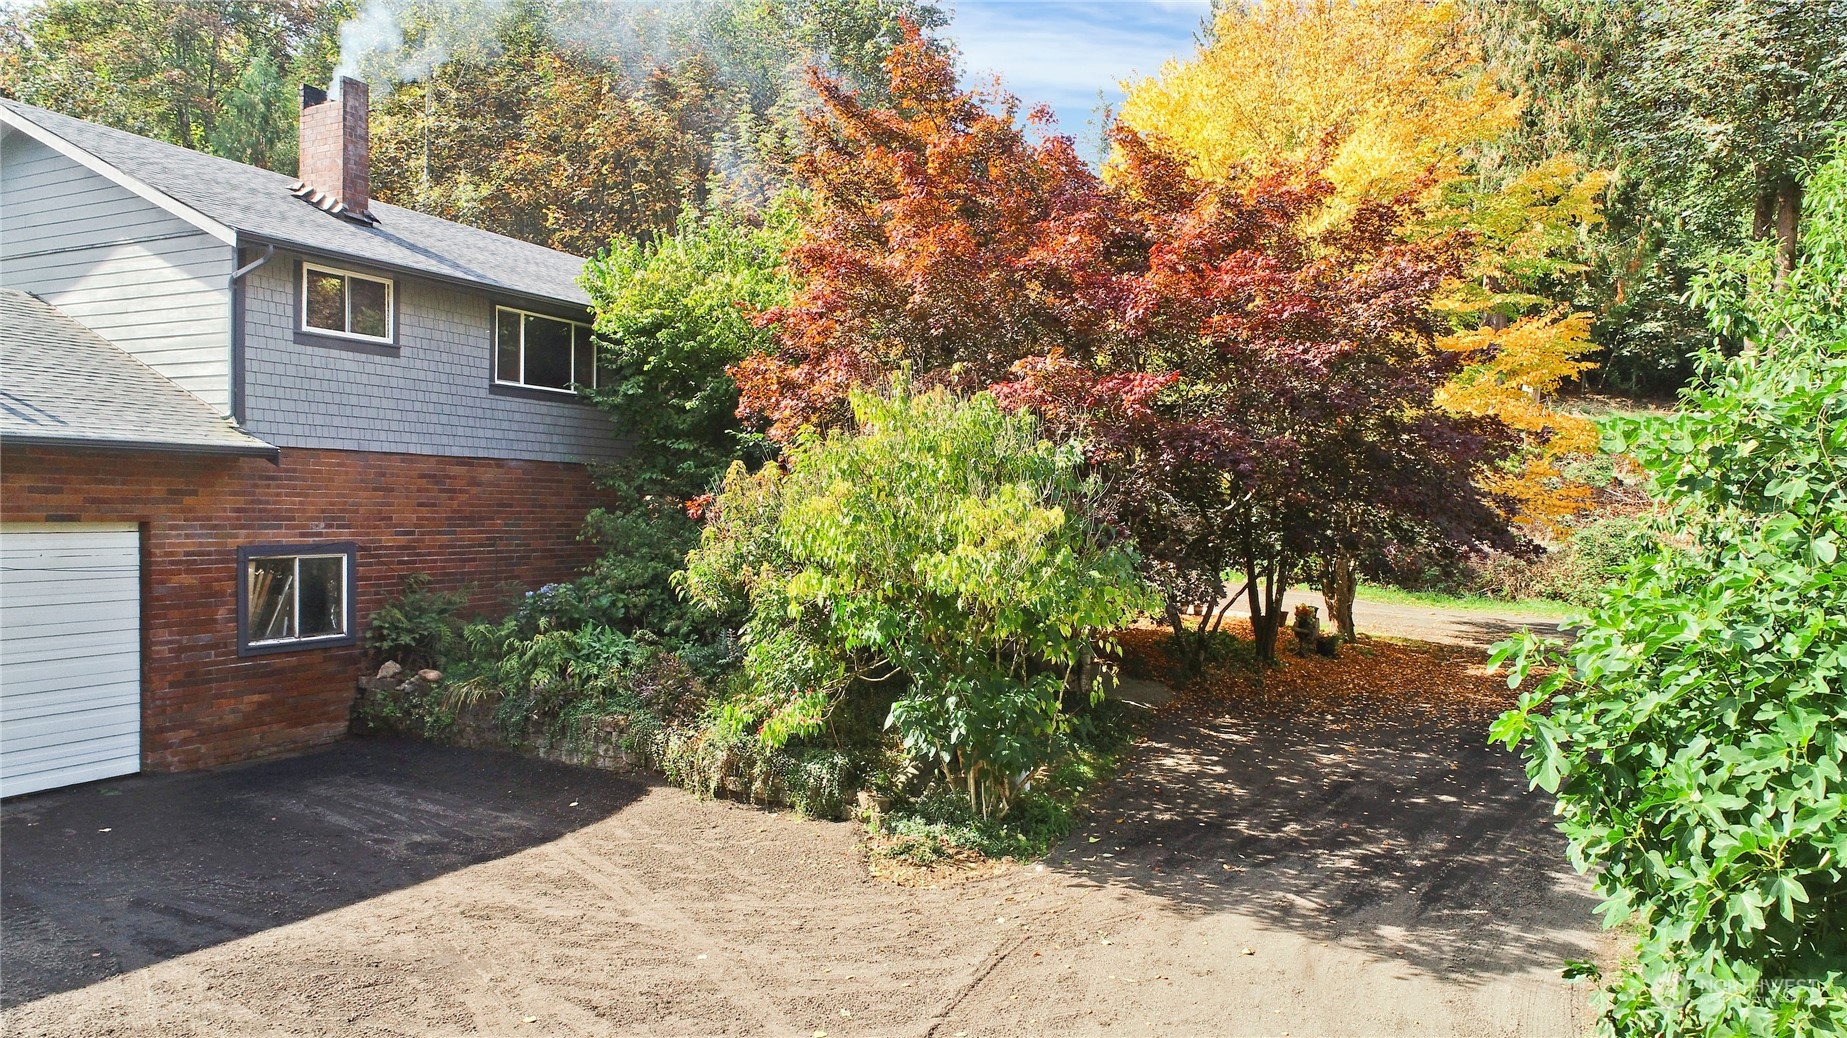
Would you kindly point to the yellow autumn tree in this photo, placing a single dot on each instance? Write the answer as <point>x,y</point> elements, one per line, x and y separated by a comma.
<point>1509,373</point>
<point>1394,81</point>
<point>1393,97</point>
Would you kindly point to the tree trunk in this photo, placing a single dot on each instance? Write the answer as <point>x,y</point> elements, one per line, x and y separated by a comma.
<point>1340,582</point>
<point>1778,216</point>
<point>1266,591</point>
<point>1193,644</point>
<point>1788,224</point>
<point>1763,218</point>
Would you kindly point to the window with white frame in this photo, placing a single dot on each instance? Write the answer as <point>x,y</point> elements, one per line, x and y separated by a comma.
<point>541,352</point>
<point>342,302</point>
<point>295,596</point>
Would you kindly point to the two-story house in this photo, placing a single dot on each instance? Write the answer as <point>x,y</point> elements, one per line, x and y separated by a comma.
<point>236,410</point>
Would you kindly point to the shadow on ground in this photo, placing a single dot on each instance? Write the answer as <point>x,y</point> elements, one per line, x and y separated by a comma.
<point>112,876</point>
<point>1407,837</point>
<point>1484,631</point>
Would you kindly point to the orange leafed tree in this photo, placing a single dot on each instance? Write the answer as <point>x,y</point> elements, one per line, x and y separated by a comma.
<point>938,228</point>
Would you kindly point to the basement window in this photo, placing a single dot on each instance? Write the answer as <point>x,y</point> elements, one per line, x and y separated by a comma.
<point>540,352</point>
<point>343,302</point>
<point>294,596</point>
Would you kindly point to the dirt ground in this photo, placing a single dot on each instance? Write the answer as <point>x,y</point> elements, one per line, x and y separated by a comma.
<point>1248,875</point>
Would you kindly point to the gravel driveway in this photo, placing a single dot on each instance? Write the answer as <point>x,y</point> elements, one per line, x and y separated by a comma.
<point>1393,880</point>
<point>1428,623</point>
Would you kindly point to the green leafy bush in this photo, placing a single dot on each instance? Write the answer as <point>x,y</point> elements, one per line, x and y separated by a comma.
<point>1577,570</point>
<point>709,760</point>
<point>940,560</point>
<point>924,829</point>
<point>641,543</point>
<point>416,709</point>
<point>673,313</point>
<point>1696,730</point>
<point>420,628</point>
<point>552,673</point>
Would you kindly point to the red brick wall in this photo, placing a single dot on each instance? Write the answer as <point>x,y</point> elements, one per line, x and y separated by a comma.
<point>468,522</point>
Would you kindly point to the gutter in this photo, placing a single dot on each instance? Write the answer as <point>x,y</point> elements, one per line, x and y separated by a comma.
<point>474,284</point>
<point>255,449</point>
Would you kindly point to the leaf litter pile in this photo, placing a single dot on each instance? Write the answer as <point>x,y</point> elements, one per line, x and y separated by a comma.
<point>1369,679</point>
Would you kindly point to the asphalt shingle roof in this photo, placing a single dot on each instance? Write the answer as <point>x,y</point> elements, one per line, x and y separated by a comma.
<point>256,203</point>
<point>65,385</point>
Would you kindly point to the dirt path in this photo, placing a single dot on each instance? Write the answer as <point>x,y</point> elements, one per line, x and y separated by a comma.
<point>1432,623</point>
<point>1386,879</point>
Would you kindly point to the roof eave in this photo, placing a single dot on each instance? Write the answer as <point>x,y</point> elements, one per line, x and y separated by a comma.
<point>255,449</point>
<point>245,238</point>
<point>51,140</point>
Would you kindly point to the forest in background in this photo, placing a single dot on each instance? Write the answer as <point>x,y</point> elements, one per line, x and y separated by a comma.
<point>568,123</point>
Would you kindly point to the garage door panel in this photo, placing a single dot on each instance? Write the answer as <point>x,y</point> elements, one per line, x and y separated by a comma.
<point>32,571</point>
<point>52,732</point>
<point>73,672</point>
<point>47,760</point>
<point>67,774</point>
<point>59,646</point>
<point>117,691</point>
<point>68,765</point>
<point>72,595</point>
<point>77,555</point>
<point>98,697</point>
<point>70,655</point>
<point>123,615</point>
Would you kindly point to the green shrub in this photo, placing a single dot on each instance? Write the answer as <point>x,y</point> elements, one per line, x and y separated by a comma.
<point>1696,730</point>
<point>420,628</point>
<point>672,314</point>
<point>1580,568</point>
<point>553,673</point>
<point>709,761</point>
<point>939,559</point>
<point>416,710</point>
<point>925,828</point>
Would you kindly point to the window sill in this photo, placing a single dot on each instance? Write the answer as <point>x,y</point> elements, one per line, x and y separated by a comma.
<point>341,342</point>
<point>300,645</point>
<point>556,396</point>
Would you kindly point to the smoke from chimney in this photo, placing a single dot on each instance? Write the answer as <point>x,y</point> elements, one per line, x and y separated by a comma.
<point>336,150</point>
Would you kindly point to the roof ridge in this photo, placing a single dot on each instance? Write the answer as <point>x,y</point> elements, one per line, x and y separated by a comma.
<point>228,193</point>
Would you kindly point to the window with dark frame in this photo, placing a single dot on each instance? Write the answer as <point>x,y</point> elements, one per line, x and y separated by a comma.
<point>295,596</point>
<point>342,302</point>
<point>537,351</point>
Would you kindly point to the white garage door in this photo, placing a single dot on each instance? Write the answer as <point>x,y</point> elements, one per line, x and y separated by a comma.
<point>70,654</point>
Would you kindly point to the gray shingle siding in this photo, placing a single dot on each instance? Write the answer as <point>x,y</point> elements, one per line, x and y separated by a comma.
<point>431,397</point>
<point>144,279</point>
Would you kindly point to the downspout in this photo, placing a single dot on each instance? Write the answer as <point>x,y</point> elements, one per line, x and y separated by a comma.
<point>237,332</point>
<point>237,275</point>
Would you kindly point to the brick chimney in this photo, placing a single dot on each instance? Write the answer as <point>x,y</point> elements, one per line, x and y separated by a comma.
<point>336,151</point>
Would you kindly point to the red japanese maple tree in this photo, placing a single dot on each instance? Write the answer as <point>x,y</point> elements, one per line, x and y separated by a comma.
<point>933,228</point>
<point>1252,370</point>
<point>1265,401</point>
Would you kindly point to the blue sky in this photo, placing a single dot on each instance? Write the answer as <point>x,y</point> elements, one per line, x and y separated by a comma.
<point>1063,53</point>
